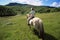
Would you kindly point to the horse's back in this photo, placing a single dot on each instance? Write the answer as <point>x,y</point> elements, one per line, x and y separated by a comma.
<point>37,19</point>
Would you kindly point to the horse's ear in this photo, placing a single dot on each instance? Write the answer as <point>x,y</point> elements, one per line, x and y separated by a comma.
<point>27,15</point>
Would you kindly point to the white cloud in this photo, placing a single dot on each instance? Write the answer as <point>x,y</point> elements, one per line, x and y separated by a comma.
<point>55,4</point>
<point>31,2</point>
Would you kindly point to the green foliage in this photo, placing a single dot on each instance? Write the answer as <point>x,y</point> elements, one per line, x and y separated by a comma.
<point>38,9</point>
<point>4,11</point>
<point>12,10</point>
<point>20,9</point>
<point>46,9</point>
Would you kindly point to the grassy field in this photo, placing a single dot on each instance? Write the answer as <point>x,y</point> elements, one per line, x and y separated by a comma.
<point>16,28</point>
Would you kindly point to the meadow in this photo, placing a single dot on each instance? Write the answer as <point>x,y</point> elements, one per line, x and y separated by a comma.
<point>16,28</point>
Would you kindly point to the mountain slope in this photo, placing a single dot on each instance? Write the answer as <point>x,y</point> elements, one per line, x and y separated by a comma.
<point>15,4</point>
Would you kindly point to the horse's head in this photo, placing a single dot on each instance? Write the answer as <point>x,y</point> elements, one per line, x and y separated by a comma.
<point>28,15</point>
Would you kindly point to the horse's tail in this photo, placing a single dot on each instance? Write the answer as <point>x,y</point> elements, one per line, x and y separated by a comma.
<point>41,29</point>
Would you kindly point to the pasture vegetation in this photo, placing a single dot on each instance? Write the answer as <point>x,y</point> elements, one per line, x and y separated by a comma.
<point>16,28</point>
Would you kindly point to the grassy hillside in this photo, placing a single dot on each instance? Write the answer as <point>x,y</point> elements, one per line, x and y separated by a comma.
<point>24,9</point>
<point>39,9</point>
<point>4,11</point>
<point>16,28</point>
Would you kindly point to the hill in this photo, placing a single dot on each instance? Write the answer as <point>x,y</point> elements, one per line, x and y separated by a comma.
<point>25,8</point>
<point>4,11</point>
<point>16,4</point>
<point>13,8</point>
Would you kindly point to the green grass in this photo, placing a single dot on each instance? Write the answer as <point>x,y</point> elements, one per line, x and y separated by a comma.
<point>16,28</point>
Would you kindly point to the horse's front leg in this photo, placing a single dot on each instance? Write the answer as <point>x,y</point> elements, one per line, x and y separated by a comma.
<point>29,26</point>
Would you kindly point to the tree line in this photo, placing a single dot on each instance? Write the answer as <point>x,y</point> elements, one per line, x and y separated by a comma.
<point>14,10</point>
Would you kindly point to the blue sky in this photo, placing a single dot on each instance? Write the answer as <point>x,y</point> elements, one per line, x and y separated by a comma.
<point>54,3</point>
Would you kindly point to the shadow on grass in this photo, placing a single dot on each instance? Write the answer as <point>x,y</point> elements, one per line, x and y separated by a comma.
<point>46,36</point>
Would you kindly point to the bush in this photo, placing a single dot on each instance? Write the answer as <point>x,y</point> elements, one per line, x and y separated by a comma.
<point>4,11</point>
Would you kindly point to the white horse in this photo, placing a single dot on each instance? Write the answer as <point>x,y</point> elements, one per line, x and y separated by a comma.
<point>38,25</point>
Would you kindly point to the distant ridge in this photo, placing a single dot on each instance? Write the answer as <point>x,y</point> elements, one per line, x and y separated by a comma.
<point>19,4</point>
<point>16,4</point>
